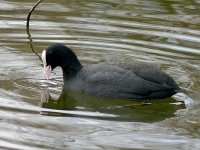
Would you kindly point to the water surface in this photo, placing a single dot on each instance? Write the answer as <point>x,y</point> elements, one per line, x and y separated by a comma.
<point>37,114</point>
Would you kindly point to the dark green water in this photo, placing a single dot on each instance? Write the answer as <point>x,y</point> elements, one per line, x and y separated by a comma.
<point>36,114</point>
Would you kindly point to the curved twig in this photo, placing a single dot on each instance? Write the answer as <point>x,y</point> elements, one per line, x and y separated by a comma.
<point>29,14</point>
<point>28,31</point>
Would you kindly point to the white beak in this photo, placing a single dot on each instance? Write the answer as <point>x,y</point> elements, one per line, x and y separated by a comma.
<point>47,69</point>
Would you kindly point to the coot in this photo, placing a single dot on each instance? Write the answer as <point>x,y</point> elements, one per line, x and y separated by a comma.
<point>129,80</point>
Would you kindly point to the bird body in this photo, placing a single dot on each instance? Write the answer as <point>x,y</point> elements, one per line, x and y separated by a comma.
<point>128,80</point>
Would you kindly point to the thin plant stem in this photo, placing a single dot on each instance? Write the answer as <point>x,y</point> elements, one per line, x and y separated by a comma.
<point>28,30</point>
<point>29,14</point>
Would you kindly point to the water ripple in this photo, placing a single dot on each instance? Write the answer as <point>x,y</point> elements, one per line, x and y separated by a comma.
<point>162,32</point>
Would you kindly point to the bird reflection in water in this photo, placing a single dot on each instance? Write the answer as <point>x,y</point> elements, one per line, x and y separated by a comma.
<point>126,109</point>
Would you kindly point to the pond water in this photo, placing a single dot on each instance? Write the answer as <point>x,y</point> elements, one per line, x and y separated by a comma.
<point>36,114</point>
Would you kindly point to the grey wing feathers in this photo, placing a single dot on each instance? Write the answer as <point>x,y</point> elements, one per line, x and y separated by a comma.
<point>149,72</point>
<point>113,80</point>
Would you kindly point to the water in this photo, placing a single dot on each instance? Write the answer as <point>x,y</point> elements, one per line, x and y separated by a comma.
<point>36,114</point>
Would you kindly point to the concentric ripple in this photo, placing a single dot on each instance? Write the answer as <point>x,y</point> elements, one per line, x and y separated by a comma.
<point>39,114</point>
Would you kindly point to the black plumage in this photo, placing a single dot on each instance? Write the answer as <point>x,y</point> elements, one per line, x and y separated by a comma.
<point>132,80</point>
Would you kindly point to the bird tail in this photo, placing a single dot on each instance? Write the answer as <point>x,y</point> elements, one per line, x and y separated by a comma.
<point>179,90</point>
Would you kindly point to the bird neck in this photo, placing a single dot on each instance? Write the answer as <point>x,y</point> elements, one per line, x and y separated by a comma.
<point>71,71</point>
